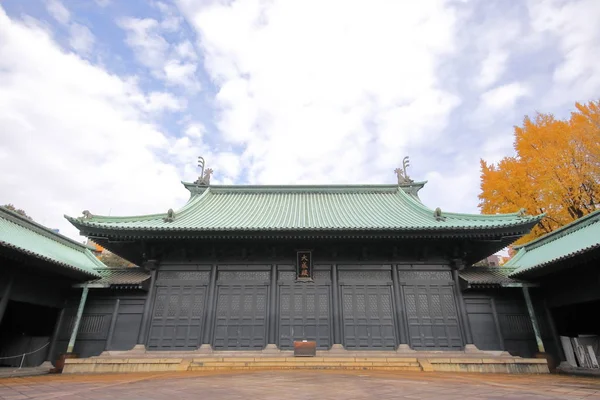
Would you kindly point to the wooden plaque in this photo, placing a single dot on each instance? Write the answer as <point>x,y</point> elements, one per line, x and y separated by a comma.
<point>305,349</point>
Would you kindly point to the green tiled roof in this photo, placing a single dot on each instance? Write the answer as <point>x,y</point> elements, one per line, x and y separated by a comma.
<point>25,236</point>
<point>488,276</point>
<point>305,208</point>
<point>575,238</point>
<point>121,277</point>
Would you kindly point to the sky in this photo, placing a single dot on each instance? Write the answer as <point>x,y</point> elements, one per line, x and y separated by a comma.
<point>106,105</point>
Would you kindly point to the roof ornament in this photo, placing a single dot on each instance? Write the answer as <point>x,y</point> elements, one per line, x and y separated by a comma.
<point>437,214</point>
<point>87,214</point>
<point>204,178</point>
<point>522,212</point>
<point>403,178</point>
<point>170,216</point>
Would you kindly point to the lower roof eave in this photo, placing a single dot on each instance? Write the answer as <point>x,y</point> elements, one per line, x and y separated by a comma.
<point>483,234</point>
<point>568,261</point>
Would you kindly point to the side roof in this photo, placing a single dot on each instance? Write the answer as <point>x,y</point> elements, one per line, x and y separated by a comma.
<point>580,236</point>
<point>481,277</point>
<point>302,209</point>
<point>32,239</point>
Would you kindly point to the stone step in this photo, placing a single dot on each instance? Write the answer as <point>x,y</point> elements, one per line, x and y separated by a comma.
<point>305,363</point>
<point>327,367</point>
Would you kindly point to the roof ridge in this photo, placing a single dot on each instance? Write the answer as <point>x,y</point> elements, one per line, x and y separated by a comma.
<point>41,229</point>
<point>564,230</point>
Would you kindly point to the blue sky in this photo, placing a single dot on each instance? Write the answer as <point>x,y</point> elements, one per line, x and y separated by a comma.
<point>105,105</point>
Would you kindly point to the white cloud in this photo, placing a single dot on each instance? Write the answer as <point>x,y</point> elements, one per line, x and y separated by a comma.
<point>315,91</point>
<point>195,130</point>
<point>165,60</point>
<point>148,45</point>
<point>58,11</point>
<point>161,101</point>
<point>81,38</point>
<point>184,74</point>
<point>77,137</point>
<point>503,98</point>
<point>574,26</point>
<point>492,67</point>
<point>185,50</point>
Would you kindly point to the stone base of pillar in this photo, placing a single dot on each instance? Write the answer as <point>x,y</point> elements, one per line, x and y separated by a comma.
<point>404,348</point>
<point>337,348</point>
<point>205,349</point>
<point>138,348</point>
<point>471,348</point>
<point>271,348</point>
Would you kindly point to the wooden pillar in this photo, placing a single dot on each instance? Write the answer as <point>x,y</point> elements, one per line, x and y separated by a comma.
<point>400,310</point>
<point>210,305</point>
<point>337,332</point>
<point>84,294</point>
<point>462,309</point>
<point>113,323</point>
<point>147,308</point>
<point>56,333</point>
<point>273,306</point>
<point>6,296</point>
<point>534,322</point>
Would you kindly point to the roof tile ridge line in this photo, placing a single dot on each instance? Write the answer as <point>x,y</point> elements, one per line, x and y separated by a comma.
<point>95,259</point>
<point>417,205</point>
<point>502,215</point>
<point>191,204</point>
<point>107,219</point>
<point>308,188</point>
<point>563,231</point>
<point>38,228</point>
<point>513,261</point>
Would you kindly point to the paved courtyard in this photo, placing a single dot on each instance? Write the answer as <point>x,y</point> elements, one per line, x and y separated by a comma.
<point>292,385</point>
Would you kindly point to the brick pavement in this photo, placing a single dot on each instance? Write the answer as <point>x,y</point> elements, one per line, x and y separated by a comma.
<point>296,385</point>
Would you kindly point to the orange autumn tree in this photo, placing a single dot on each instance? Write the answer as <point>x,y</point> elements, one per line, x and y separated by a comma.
<point>556,170</point>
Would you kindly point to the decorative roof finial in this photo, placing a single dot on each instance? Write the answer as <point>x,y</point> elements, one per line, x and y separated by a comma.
<point>204,178</point>
<point>437,214</point>
<point>87,214</point>
<point>403,178</point>
<point>170,216</point>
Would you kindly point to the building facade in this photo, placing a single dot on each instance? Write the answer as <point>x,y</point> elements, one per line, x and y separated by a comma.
<point>360,267</point>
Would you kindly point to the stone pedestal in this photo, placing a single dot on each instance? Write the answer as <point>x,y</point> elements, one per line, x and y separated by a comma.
<point>337,348</point>
<point>404,348</point>
<point>138,348</point>
<point>205,349</point>
<point>271,348</point>
<point>471,348</point>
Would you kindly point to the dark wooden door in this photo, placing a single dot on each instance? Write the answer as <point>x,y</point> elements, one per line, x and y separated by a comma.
<point>432,317</point>
<point>304,314</point>
<point>241,317</point>
<point>367,317</point>
<point>480,312</point>
<point>177,318</point>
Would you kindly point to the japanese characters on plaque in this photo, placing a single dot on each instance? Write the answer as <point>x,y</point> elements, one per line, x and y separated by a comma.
<point>304,266</point>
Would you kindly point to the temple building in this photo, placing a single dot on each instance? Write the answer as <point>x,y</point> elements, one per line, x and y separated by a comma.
<point>355,267</point>
<point>258,270</point>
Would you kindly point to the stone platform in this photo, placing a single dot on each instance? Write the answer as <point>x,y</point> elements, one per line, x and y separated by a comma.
<point>155,361</point>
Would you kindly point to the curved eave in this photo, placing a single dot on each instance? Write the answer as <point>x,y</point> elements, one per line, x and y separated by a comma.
<point>525,224</point>
<point>532,270</point>
<point>485,233</point>
<point>49,260</point>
